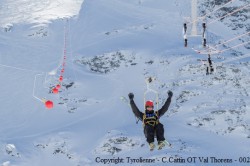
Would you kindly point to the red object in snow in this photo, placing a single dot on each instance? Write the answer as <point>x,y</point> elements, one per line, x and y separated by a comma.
<point>61,78</point>
<point>62,70</point>
<point>49,104</point>
<point>58,86</point>
<point>55,90</point>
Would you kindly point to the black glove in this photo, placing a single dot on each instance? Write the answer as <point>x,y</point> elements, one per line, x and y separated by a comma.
<point>170,94</point>
<point>131,96</point>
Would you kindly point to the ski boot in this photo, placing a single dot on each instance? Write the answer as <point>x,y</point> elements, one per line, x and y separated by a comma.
<point>151,146</point>
<point>161,144</point>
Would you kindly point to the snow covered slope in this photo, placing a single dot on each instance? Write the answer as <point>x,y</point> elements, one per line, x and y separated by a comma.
<point>112,46</point>
<point>36,12</point>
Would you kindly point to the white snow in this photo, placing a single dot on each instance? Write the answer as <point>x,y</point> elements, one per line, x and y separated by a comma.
<point>9,148</point>
<point>36,11</point>
<point>112,46</point>
<point>7,163</point>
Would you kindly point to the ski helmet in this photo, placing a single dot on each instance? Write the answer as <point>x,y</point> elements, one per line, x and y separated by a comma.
<point>149,103</point>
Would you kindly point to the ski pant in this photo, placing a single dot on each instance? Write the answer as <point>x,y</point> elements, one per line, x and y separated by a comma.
<point>151,131</point>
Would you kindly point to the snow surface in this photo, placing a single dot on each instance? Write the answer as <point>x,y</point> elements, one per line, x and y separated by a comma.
<point>112,46</point>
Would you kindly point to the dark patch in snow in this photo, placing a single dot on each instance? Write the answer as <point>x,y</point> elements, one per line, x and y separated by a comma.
<point>116,143</point>
<point>108,62</point>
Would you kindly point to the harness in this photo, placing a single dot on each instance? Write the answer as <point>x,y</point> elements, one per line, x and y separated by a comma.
<point>150,119</point>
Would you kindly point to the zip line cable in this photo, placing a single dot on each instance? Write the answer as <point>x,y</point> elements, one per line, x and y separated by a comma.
<point>53,72</point>
<point>235,46</point>
<point>243,7</point>
<point>200,18</point>
<point>48,103</point>
<point>227,41</point>
<point>71,52</point>
<point>219,51</point>
<point>237,58</point>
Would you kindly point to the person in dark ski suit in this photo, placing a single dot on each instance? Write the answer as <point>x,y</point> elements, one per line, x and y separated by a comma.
<point>150,120</point>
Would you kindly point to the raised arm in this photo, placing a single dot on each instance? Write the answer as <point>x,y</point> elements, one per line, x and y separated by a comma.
<point>135,109</point>
<point>164,108</point>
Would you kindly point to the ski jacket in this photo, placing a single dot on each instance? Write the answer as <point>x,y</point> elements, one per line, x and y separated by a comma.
<point>140,115</point>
